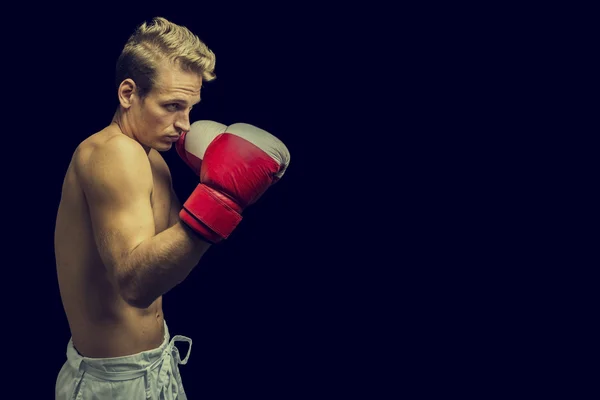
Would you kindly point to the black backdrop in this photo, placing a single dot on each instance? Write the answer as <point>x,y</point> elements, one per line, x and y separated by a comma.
<point>407,245</point>
<point>364,268</point>
<point>270,311</point>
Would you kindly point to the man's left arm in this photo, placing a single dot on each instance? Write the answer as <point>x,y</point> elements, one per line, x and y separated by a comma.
<point>165,171</point>
<point>175,208</point>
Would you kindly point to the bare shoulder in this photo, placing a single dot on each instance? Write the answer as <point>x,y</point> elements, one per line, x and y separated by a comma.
<point>115,158</point>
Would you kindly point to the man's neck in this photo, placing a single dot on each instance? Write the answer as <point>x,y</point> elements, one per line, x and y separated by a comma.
<point>117,122</point>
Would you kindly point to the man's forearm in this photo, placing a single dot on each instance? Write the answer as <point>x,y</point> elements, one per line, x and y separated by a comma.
<point>160,263</point>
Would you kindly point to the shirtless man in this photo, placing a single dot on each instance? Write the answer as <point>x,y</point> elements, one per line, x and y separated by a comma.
<point>122,237</point>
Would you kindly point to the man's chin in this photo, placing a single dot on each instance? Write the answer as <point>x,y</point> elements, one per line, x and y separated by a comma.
<point>162,147</point>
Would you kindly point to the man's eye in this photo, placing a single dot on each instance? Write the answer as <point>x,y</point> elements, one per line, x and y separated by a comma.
<point>173,107</point>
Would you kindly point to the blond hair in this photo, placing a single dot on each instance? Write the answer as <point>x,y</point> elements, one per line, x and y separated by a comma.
<point>157,42</point>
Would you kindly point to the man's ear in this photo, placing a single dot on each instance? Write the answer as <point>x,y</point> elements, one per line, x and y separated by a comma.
<point>126,92</point>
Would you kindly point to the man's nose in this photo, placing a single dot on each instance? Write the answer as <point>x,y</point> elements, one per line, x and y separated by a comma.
<point>183,123</point>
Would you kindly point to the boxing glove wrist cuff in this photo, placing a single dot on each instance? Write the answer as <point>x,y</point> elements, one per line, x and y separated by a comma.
<point>208,207</point>
<point>198,229</point>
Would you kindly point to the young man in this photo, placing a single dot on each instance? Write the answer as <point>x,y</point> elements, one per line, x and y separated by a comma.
<point>122,238</point>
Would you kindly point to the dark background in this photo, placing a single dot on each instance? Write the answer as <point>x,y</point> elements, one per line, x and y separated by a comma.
<point>281,310</point>
<point>386,259</point>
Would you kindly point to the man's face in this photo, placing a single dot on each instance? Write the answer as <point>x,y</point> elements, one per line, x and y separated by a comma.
<point>164,114</point>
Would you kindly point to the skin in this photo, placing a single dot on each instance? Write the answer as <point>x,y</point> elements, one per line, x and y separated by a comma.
<point>119,242</point>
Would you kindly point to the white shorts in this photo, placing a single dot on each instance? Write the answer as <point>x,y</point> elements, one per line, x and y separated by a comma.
<point>152,374</point>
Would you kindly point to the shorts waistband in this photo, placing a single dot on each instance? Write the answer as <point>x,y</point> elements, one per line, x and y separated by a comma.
<point>132,366</point>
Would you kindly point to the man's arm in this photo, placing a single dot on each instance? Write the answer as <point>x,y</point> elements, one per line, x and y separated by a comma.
<point>117,182</point>
<point>174,218</point>
<point>175,208</point>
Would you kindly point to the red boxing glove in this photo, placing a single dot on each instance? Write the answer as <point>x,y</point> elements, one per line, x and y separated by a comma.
<point>191,149</point>
<point>236,165</point>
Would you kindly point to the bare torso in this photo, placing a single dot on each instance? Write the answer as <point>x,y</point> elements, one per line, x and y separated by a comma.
<point>102,324</point>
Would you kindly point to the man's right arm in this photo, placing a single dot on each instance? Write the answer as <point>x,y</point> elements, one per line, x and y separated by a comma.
<point>117,181</point>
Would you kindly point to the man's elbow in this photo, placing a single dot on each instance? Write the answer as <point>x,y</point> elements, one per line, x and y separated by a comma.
<point>132,296</point>
<point>137,301</point>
